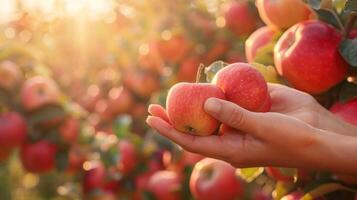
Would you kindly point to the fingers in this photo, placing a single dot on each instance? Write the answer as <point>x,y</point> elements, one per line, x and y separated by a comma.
<point>158,111</point>
<point>232,115</point>
<point>212,146</point>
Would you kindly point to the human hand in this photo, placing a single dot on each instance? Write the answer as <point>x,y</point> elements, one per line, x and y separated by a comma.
<point>285,137</point>
<point>259,139</point>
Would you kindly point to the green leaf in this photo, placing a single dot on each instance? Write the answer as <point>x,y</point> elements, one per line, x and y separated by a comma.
<point>348,49</point>
<point>111,157</point>
<point>61,160</point>
<point>46,113</point>
<point>315,4</point>
<point>351,5</point>
<point>122,126</point>
<point>249,174</point>
<point>329,17</point>
<point>348,91</point>
<point>211,70</point>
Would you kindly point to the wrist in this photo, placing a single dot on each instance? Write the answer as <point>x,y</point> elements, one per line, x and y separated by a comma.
<point>329,122</point>
<point>335,153</point>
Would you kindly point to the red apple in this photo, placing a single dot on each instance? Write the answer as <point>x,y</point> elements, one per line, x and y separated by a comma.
<point>69,130</point>
<point>120,100</point>
<point>284,14</point>
<point>10,75</point>
<point>150,58</point>
<point>180,161</point>
<point>174,48</point>
<point>346,111</point>
<point>98,178</point>
<point>165,185</point>
<point>185,110</point>
<point>38,157</point>
<point>244,85</point>
<point>213,179</point>
<point>307,56</point>
<point>188,70</point>
<point>13,130</point>
<point>241,18</point>
<point>128,157</point>
<point>76,158</point>
<point>39,91</point>
<point>258,40</point>
<point>142,83</point>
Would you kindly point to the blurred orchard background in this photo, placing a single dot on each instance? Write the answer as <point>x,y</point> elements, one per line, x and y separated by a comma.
<point>78,76</point>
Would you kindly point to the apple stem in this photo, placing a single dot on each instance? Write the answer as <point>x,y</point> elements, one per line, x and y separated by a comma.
<point>349,24</point>
<point>201,76</point>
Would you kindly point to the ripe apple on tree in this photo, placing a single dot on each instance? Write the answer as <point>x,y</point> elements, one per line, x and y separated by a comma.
<point>258,40</point>
<point>119,100</point>
<point>165,185</point>
<point>307,56</point>
<point>69,130</point>
<point>241,18</point>
<point>284,14</point>
<point>213,179</point>
<point>38,157</point>
<point>13,130</point>
<point>10,75</point>
<point>188,69</point>
<point>128,156</point>
<point>39,91</point>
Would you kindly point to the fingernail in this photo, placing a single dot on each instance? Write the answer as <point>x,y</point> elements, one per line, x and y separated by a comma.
<point>212,105</point>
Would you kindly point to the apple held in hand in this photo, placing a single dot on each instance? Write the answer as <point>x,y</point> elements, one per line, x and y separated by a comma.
<point>165,185</point>
<point>213,179</point>
<point>284,13</point>
<point>245,86</point>
<point>39,91</point>
<point>38,157</point>
<point>12,130</point>
<point>307,56</point>
<point>185,110</point>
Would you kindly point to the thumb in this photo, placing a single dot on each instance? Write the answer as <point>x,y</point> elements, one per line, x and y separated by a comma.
<point>232,115</point>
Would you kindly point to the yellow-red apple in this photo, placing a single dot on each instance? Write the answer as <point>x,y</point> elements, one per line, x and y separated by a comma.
<point>185,110</point>
<point>244,85</point>
<point>285,13</point>
<point>39,91</point>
